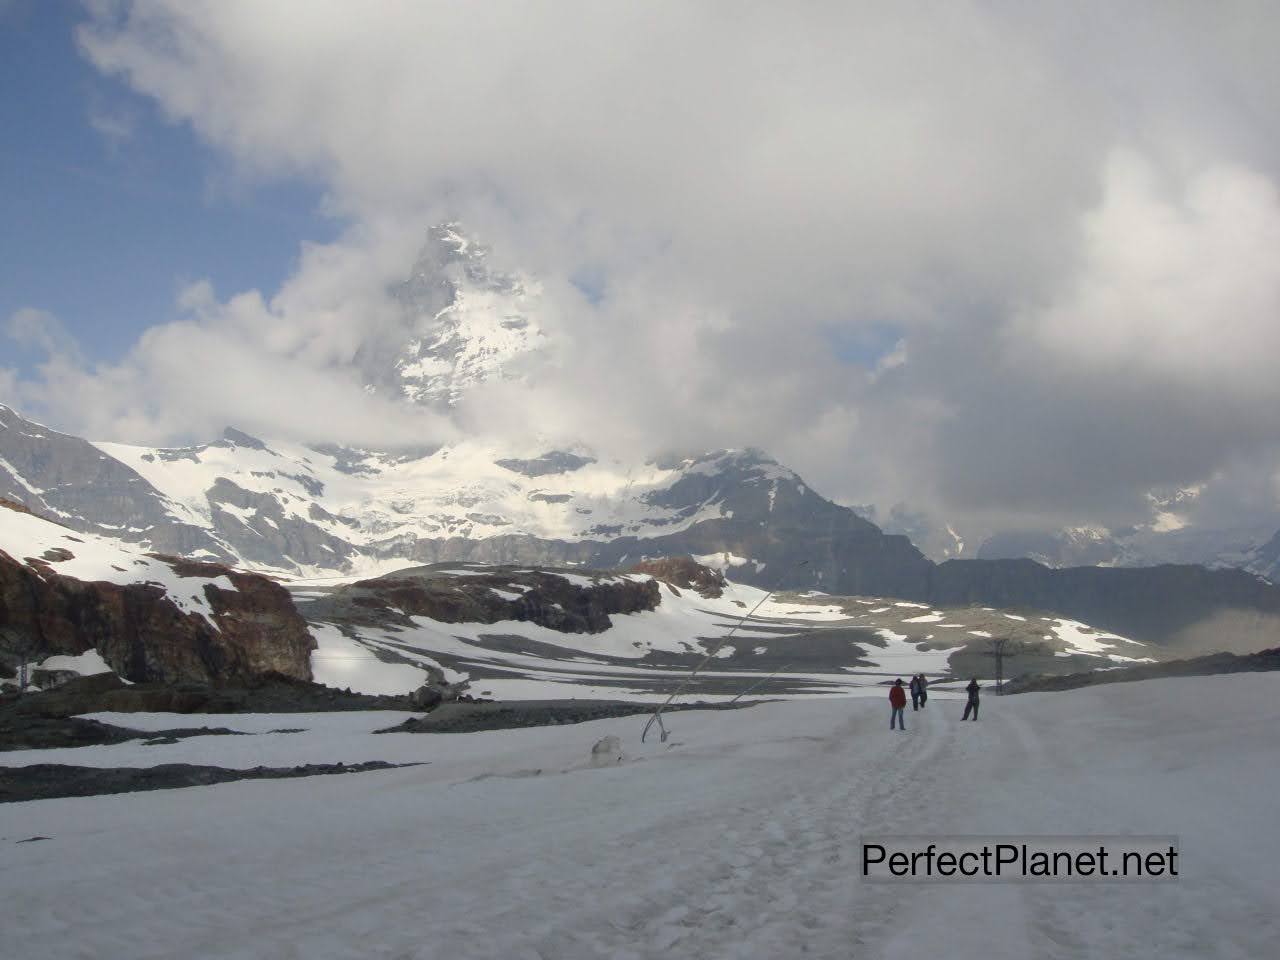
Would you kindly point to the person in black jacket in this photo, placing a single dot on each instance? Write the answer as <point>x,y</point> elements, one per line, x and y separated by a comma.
<point>973,689</point>
<point>923,686</point>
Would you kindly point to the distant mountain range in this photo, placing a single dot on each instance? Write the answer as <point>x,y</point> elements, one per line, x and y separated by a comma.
<point>275,505</point>
<point>1251,550</point>
<point>1169,536</point>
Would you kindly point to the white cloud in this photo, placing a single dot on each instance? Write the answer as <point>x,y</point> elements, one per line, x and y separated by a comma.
<point>1178,282</point>
<point>29,327</point>
<point>1069,218</point>
<point>116,123</point>
<point>277,366</point>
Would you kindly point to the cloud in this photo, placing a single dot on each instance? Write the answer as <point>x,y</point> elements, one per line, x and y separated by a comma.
<point>41,330</point>
<point>1065,221</point>
<point>1179,283</point>
<point>116,123</point>
<point>281,366</point>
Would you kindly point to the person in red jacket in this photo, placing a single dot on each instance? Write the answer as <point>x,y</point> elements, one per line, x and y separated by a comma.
<point>898,701</point>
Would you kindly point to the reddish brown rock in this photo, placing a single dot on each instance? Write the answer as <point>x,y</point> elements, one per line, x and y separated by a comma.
<point>143,635</point>
<point>14,505</point>
<point>684,572</point>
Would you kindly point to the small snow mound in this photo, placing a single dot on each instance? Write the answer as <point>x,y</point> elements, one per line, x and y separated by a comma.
<point>607,752</point>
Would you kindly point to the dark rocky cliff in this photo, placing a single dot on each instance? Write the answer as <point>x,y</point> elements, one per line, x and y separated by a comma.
<point>144,636</point>
<point>568,601</point>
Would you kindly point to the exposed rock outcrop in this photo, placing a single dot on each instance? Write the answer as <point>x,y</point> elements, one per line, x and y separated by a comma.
<point>89,491</point>
<point>143,634</point>
<point>44,781</point>
<point>684,572</point>
<point>566,601</point>
<point>267,694</point>
<point>13,505</point>
<point>557,461</point>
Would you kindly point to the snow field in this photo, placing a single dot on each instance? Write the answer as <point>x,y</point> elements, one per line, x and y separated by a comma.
<point>674,626</point>
<point>738,838</point>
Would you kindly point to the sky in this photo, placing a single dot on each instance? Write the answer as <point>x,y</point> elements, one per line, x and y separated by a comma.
<point>1012,266</point>
<point>110,209</point>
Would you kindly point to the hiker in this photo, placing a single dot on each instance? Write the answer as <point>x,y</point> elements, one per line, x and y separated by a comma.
<point>973,699</point>
<point>915,693</point>
<point>923,685</point>
<point>898,701</point>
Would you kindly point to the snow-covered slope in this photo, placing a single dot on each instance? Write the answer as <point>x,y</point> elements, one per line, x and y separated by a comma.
<point>738,837</point>
<point>790,646</point>
<point>65,477</point>
<point>465,323</point>
<point>42,545</point>
<point>280,505</point>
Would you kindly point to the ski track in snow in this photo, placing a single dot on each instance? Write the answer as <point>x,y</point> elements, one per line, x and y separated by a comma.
<point>737,839</point>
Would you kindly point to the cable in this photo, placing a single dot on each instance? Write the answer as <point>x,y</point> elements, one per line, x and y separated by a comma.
<point>657,714</point>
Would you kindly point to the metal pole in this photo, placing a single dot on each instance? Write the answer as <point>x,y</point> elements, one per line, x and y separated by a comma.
<point>657,714</point>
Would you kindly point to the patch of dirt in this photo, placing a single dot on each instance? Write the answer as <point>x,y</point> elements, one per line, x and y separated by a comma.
<point>44,781</point>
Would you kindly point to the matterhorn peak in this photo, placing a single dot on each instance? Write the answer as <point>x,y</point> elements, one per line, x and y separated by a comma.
<point>465,322</point>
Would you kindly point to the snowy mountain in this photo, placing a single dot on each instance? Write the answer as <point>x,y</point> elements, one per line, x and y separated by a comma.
<point>313,511</point>
<point>273,504</point>
<point>308,512</point>
<point>937,540</point>
<point>1158,542</point>
<point>1170,534</point>
<point>464,323</point>
<point>79,603</point>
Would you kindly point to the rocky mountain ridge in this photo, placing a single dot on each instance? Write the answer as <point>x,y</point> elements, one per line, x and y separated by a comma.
<point>303,512</point>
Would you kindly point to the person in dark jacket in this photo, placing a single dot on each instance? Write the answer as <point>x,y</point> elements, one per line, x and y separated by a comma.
<point>973,689</point>
<point>923,686</point>
<point>898,701</point>
<point>915,692</point>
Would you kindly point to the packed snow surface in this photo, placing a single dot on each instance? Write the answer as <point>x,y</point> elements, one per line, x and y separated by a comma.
<point>737,838</point>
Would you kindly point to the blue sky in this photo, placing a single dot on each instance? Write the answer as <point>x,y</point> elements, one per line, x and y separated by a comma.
<point>108,208</point>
